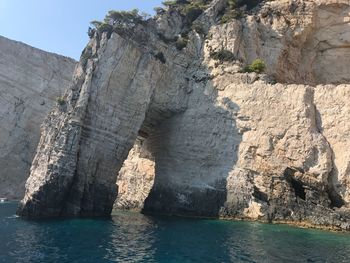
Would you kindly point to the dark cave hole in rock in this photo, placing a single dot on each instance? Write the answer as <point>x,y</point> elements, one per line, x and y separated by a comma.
<point>336,199</point>
<point>298,188</point>
<point>260,195</point>
<point>143,135</point>
<point>296,184</point>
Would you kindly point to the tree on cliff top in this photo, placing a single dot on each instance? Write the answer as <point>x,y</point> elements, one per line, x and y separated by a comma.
<point>119,21</point>
<point>124,18</point>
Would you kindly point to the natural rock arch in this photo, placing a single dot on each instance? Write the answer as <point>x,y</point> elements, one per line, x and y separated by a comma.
<point>229,144</point>
<point>122,93</point>
<point>86,140</point>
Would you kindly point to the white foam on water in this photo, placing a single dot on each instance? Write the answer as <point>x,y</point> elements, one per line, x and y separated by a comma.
<point>12,217</point>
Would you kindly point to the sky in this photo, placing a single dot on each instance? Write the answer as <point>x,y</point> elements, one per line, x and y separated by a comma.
<point>59,26</point>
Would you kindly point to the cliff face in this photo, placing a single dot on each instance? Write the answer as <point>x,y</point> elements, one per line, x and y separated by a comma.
<point>30,82</point>
<point>212,140</point>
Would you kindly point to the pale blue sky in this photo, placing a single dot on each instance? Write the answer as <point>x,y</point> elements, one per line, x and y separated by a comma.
<point>59,26</point>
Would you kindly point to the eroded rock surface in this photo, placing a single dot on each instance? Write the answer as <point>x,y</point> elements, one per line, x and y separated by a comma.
<point>30,82</point>
<point>224,143</point>
<point>304,42</point>
<point>86,140</point>
<point>135,178</point>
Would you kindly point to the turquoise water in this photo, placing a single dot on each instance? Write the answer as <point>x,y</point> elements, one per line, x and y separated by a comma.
<point>130,237</point>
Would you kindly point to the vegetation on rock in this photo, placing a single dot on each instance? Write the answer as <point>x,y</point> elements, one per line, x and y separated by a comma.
<point>223,55</point>
<point>257,66</point>
<point>232,14</point>
<point>199,29</point>
<point>61,101</point>
<point>235,9</point>
<point>181,43</point>
<point>119,21</point>
<point>190,10</point>
<point>167,40</point>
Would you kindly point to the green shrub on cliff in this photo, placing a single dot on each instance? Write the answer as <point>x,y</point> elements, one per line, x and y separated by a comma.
<point>169,3</point>
<point>191,10</point>
<point>232,4</point>
<point>123,18</point>
<point>223,55</point>
<point>257,66</point>
<point>119,21</point>
<point>181,43</point>
<point>199,29</point>
<point>159,10</point>
<point>234,9</point>
<point>230,15</point>
<point>100,27</point>
<point>105,27</point>
<point>61,101</point>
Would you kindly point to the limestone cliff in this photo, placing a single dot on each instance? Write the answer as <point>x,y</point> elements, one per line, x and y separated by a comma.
<point>30,82</point>
<point>223,143</point>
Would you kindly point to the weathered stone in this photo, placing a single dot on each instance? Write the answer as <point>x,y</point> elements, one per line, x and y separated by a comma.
<point>135,178</point>
<point>86,141</point>
<point>333,107</point>
<point>30,82</point>
<point>307,45</point>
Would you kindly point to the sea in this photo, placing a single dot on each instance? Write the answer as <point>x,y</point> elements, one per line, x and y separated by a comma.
<point>133,237</point>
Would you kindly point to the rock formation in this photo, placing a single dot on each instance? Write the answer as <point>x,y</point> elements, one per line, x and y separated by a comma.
<point>224,143</point>
<point>135,179</point>
<point>30,82</point>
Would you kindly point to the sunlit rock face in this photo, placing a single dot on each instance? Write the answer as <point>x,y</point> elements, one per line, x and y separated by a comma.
<point>30,82</point>
<point>304,42</point>
<point>210,140</point>
<point>135,179</point>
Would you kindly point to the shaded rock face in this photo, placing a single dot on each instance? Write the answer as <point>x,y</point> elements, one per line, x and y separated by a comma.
<point>30,82</point>
<point>219,142</point>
